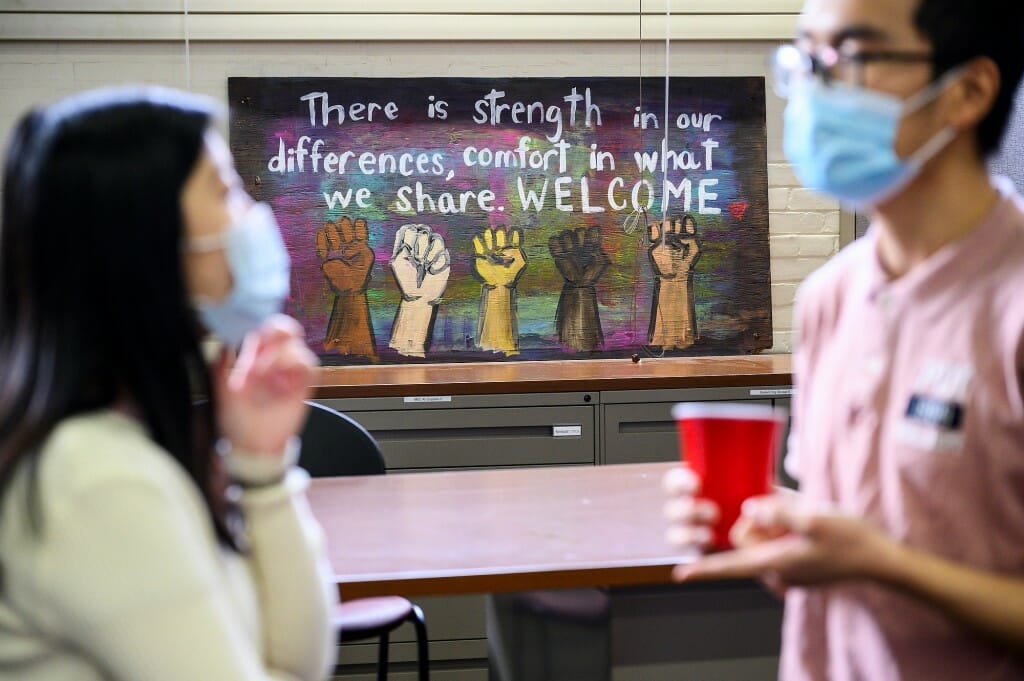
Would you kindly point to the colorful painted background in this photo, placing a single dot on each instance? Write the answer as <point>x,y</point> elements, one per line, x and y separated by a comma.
<point>730,279</point>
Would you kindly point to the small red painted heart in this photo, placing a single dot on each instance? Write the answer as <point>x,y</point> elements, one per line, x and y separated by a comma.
<point>738,210</point>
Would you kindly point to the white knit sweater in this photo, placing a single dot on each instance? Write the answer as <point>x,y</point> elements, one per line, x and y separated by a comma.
<point>128,581</point>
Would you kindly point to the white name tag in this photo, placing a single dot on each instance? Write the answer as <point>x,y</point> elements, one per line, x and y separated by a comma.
<point>566,431</point>
<point>772,392</point>
<point>428,398</point>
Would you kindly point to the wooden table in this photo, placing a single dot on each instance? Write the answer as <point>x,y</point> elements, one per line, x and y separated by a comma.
<point>525,530</point>
<point>553,376</point>
<point>495,530</point>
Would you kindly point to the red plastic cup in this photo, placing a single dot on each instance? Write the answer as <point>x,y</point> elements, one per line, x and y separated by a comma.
<point>731,447</point>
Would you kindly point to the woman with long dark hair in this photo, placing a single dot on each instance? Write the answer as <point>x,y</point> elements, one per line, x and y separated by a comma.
<point>152,523</point>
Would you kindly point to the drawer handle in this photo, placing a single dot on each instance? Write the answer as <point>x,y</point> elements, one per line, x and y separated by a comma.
<point>505,432</point>
<point>637,427</point>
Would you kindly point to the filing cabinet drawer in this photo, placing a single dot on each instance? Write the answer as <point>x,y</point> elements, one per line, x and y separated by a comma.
<point>642,433</point>
<point>473,438</point>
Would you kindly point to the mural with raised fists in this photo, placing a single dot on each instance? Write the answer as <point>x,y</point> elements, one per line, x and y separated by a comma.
<point>503,219</point>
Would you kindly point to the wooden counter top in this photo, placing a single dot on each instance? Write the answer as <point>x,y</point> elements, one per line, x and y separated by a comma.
<point>552,376</point>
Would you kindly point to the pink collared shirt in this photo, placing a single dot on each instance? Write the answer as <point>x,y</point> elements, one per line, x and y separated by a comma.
<point>909,413</point>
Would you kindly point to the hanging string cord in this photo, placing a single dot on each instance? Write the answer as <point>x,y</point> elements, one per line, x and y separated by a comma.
<point>637,219</point>
<point>665,123</point>
<point>664,146</point>
<point>188,51</point>
<point>664,151</point>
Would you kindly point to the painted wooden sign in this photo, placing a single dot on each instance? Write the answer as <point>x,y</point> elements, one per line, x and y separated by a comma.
<point>467,219</point>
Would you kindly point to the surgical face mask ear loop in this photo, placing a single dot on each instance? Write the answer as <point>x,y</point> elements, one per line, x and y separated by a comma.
<point>939,140</point>
<point>932,91</point>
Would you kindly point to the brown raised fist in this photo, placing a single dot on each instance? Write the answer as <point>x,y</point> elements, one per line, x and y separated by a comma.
<point>346,260</point>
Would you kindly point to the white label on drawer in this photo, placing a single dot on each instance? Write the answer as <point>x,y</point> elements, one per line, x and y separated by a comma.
<point>428,398</point>
<point>566,431</point>
<point>772,392</point>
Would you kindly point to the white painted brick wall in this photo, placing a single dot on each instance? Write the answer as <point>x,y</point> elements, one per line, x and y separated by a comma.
<point>801,199</point>
<point>783,294</point>
<point>804,228</point>
<point>804,234</point>
<point>804,245</point>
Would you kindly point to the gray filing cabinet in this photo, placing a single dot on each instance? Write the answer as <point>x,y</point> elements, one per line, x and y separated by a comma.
<point>447,432</point>
<point>638,425</point>
<point>479,431</point>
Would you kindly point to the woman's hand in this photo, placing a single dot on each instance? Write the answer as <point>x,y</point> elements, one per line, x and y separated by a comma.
<point>690,519</point>
<point>261,395</point>
<point>784,543</point>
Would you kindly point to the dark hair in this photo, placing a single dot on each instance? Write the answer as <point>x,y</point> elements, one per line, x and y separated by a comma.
<point>93,301</point>
<point>961,30</point>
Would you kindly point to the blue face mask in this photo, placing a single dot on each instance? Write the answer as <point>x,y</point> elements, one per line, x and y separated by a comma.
<point>259,268</point>
<point>840,140</point>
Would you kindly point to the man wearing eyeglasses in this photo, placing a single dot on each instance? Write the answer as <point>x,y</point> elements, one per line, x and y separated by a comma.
<point>902,555</point>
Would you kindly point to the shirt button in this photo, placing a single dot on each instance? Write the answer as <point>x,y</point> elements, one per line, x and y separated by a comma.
<point>853,414</point>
